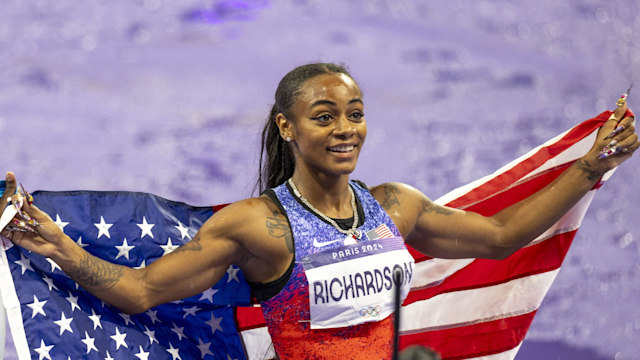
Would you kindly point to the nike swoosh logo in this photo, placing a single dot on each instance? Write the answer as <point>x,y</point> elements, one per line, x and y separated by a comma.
<point>316,243</point>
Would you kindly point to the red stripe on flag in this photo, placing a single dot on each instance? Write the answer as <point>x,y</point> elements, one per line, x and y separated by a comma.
<point>491,205</point>
<point>528,165</point>
<point>542,257</point>
<point>468,341</point>
<point>248,318</point>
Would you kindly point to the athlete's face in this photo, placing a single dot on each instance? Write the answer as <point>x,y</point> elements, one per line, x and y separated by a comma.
<point>328,129</point>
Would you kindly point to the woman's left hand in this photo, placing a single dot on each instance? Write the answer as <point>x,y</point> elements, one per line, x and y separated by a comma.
<point>616,141</point>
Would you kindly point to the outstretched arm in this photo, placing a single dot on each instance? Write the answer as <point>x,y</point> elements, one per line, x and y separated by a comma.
<point>450,233</point>
<point>189,270</point>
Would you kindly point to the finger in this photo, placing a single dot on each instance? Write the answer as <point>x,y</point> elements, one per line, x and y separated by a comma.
<point>37,214</point>
<point>10,189</point>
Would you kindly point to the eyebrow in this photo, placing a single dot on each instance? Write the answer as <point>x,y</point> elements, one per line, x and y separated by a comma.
<point>329,102</point>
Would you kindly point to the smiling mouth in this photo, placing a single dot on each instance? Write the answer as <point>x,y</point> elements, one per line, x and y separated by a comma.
<point>342,149</point>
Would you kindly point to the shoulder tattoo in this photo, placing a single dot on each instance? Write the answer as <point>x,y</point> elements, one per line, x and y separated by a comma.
<point>585,167</point>
<point>94,273</point>
<point>279,228</point>
<point>391,193</point>
<point>429,206</point>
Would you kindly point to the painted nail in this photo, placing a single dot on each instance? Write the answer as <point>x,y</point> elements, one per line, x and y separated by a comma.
<point>615,132</point>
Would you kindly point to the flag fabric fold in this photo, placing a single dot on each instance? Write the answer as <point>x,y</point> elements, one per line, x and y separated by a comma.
<point>463,308</point>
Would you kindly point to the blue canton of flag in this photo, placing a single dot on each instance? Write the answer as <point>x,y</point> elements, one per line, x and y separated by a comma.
<point>51,317</point>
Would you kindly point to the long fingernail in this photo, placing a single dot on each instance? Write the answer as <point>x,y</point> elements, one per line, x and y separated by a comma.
<point>623,98</point>
<point>615,132</point>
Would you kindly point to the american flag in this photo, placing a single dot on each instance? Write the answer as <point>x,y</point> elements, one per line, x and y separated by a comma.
<point>460,308</point>
<point>51,317</point>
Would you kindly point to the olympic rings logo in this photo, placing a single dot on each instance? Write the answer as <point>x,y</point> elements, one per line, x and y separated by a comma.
<point>370,311</point>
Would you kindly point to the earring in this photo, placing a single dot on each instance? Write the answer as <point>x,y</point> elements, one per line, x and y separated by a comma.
<point>287,139</point>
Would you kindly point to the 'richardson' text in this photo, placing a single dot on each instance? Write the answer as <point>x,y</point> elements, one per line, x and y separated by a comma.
<point>359,284</point>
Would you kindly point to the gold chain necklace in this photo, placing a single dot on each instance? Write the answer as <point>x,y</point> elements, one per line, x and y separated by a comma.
<point>353,232</point>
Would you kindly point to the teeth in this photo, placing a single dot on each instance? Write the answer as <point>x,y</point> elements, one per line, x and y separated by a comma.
<point>342,148</point>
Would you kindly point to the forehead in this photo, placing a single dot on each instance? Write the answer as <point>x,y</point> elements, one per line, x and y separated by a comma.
<point>329,86</point>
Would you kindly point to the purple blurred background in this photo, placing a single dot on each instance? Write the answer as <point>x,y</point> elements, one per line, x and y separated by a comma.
<point>169,98</point>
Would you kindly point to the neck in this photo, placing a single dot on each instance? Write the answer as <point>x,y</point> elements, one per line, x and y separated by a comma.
<point>329,194</point>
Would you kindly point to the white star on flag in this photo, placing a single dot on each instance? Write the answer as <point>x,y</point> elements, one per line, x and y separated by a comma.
<point>61,224</point>
<point>208,294</point>
<point>64,323</point>
<point>123,250</point>
<point>73,300</point>
<point>108,356</point>
<point>190,311</point>
<point>95,319</point>
<point>49,282</point>
<point>37,307</point>
<point>153,315</point>
<point>151,334</point>
<point>24,263</point>
<point>90,342</point>
<point>179,331</point>
<point>126,318</point>
<point>204,348</point>
<point>103,228</point>
<point>142,265</point>
<point>142,355</point>
<point>80,243</point>
<point>184,231</point>
<point>119,339</point>
<point>214,323</point>
<point>54,266</point>
<point>43,350</point>
<point>169,247</point>
<point>175,354</point>
<point>233,274</point>
<point>145,228</point>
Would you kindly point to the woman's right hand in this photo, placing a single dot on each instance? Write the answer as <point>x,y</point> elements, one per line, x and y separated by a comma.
<point>47,237</point>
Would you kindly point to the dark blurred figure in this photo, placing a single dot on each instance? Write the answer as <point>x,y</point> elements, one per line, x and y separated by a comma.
<point>418,352</point>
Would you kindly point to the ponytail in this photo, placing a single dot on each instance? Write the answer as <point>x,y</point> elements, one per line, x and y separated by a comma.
<point>278,165</point>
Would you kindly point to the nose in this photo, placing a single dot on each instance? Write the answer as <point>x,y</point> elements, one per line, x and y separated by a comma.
<point>344,128</point>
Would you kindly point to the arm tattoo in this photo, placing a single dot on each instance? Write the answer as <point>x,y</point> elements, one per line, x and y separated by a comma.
<point>193,245</point>
<point>429,206</point>
<point>92,272</point>
<point>586,168</point>
<point>390,196</point>
<point>279,227</point>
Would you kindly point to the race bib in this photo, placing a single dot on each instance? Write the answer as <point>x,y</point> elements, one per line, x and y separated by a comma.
<point>353,284</point>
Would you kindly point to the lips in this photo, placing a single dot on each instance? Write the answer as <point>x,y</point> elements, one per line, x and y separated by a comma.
<point>342,148</point>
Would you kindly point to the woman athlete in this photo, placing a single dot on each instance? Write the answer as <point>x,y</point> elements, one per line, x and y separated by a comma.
<point>317,248</point>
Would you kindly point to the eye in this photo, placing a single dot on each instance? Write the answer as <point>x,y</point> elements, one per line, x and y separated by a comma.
<point>356,115</point>
<point>323,118</point>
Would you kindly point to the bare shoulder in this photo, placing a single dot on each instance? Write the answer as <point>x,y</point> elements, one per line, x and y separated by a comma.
<point>393,195</point>
<point>405,204</point>
<point>261,230</point>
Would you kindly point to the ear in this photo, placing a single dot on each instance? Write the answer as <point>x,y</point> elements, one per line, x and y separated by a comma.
<point>286,127</point>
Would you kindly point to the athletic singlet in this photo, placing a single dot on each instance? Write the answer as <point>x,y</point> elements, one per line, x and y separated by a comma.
<point>337,301</point>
